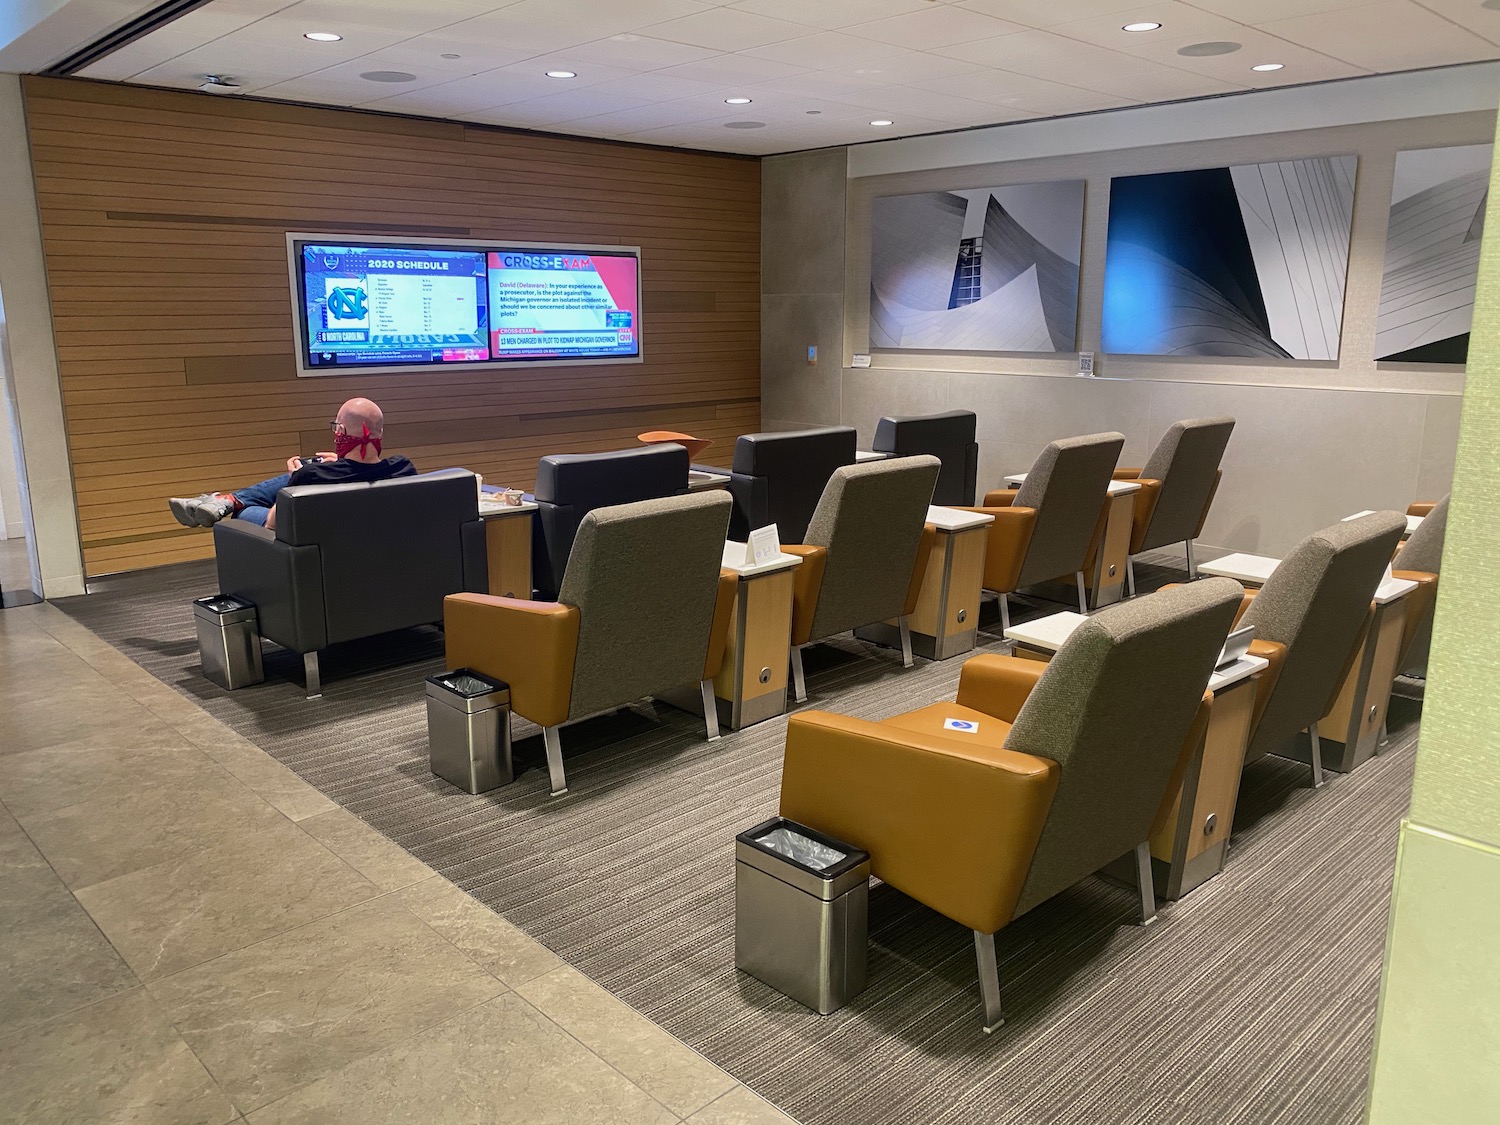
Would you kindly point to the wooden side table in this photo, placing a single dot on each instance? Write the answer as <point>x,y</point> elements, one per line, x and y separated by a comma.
<point>945,623</point>
<point>507,541</point>
<point>751,685</point>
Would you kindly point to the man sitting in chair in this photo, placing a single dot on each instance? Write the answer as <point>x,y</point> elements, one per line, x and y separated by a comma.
<point>356,460</point>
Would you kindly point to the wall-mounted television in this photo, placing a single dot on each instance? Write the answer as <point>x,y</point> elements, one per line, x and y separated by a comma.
<point>381,305</point>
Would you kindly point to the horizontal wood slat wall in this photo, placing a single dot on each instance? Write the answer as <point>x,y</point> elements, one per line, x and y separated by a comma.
<point>164,218</point>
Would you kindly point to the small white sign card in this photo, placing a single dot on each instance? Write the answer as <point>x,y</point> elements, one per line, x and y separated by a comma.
<point>763,546</point>
<point>963,726</point>
<point>860,360</point>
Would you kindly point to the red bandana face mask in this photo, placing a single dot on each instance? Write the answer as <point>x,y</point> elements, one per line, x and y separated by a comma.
<point>345,444</point>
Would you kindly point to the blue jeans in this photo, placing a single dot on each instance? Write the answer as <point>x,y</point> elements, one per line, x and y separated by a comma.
<point>259,499</point>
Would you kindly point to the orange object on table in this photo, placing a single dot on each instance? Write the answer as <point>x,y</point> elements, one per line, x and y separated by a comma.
<point>694,445</point>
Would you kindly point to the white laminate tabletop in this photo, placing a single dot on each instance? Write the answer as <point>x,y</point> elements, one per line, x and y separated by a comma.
<point>1242,668</point>
<point>1242,568</point>
<point>1116,487</point>
<point>734,559</point>
<point>951,519</point>
<point>1046,633</point>
<point>1412,522</point>
<point>868,455</point>
<point>1392,589</point>
<point>490,510</point>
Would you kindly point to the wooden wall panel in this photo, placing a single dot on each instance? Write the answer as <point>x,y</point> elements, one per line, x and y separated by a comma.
<point>164,218</point>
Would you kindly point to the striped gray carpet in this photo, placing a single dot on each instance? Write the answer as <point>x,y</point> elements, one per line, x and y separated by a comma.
<point>1250,1003</point>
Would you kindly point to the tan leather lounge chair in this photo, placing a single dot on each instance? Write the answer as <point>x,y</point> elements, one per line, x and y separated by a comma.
<point>1178,483</point>
<point>1310,620</point>
<point>864,552</point>
<point>1044,529</point>
<point>644,607</point>
<point>1417,560</point>
<point>1069,767</point>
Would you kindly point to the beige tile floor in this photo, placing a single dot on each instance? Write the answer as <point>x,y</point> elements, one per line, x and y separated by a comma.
<point>189,933</point>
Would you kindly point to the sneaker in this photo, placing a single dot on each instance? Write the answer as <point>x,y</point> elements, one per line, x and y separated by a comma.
<point>201,511</point>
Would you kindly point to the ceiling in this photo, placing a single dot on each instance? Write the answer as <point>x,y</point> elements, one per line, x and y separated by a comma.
<point>818,72</point>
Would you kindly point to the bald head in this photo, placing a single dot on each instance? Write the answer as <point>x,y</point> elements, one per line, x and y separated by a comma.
<point>359,412</point>
<point>357,417</point>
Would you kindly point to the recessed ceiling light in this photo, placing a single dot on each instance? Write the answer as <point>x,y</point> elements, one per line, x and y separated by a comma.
<point>881,121</point>
<point>813,112</point>
<point>388,76</point>
<point>220,84</point>
<point>1144,25</point>
<point>744,124</point>
<point>322,36</point>
<point>1266,67</point>
<point>450,55</point>
<point>736,101</point>
<point>562,74</point>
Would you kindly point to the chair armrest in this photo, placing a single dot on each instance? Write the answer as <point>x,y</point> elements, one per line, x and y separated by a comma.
<point>1274,653</point>
<point>1125,474</point>
<point>998,685</point>
<point>953,824</point>
<point>530,645</point>
<point>284,580</point>
<point>1421,508</point>
<point>1005,551</point>
<point>919,570</point>
<point>807,581</point>
<point>718,634</point>
<point>1142,511</point>
<point>999,498</point>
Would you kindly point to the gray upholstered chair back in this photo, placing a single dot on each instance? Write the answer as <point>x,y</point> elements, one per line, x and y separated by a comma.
<point>1066,485</point>
<point>870,517</point>
<point>644,577</point>
<point>1186,461</point>
<point>1315,603</point>
<point>1424,550</point>
<point>1113,710</point>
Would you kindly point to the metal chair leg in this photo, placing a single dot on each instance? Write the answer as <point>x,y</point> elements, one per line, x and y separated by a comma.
<point>1083,593</point>
<point>1145,882</point>
<point>1385,734</point>
<point>799,683</point>
<point>1130,575</point>
<point>989,980</point>
<point>905,626</point>
<point>1192,564</point>
<point>1317,757</point>
<point>710,709</point>
<point>311,675</point>
<point>1004,614</point>
<point>559,779</point>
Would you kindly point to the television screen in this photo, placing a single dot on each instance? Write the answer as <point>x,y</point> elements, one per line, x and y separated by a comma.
<point>554,304</point>
<point>367,306</point>
<point>374,306</point>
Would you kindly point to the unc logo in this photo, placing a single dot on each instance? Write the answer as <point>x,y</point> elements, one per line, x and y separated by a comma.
<point>347,304</point>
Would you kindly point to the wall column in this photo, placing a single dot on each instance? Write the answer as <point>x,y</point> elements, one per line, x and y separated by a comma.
<point>802,288</point>
<point>1437,1050</point>
<point>31,360</point>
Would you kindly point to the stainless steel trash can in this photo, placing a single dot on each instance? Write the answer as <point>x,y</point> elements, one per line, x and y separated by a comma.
<point>801,909</point>
<point>228,640</point>
<point>468,730</point>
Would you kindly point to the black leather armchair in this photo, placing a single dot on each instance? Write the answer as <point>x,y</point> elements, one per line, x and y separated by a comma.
<point>571,485</point>
<point>348,561</point>
<point>779,478</point>
<point>949,437</point>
